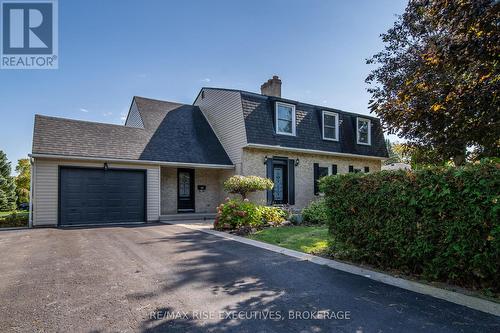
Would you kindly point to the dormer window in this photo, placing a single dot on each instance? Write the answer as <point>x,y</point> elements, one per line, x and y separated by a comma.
<point>330,126</point>
<point>285,118</point>
<point>363,131</point>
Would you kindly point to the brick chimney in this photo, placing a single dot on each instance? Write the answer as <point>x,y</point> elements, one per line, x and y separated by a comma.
<point>272,87</point>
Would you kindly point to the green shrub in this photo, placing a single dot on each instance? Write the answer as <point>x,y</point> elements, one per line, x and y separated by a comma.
<point>243,185</point>
<point>235,213</point>
<point>441,223</point>
<point>16,219</point>
<point>315,213</point>
<point>273,215</point>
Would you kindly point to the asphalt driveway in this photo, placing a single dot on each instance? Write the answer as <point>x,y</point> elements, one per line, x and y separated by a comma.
<point>168,278</point>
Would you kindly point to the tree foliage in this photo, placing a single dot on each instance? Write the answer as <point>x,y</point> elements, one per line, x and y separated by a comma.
<point>7,185</point>
<point>437,79</point>
<point>23,177</point>
<point>243,185</point>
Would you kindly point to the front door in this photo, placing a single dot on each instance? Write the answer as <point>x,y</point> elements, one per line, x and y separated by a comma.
<point>185,190</point>
<point>280,190</point>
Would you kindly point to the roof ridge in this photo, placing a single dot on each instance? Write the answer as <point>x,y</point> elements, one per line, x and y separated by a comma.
<point>83,121</point>
<point>158,100</point>
<point>291,100</point>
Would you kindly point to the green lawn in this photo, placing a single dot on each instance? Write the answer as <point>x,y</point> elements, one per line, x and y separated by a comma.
<point>308,239</point>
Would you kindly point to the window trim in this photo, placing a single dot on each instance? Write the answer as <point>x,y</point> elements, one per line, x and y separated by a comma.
<point>293,118</point>
<point>369,143</point>
<point>337,134</point>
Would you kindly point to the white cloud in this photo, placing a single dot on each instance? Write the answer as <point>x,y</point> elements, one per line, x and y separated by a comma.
<point>106,114</point>
<point>123,116</point>
<point>84,110</point>
<point>206,80</point>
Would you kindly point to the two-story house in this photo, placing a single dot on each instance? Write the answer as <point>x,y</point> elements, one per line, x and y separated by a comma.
<point>172,158</point>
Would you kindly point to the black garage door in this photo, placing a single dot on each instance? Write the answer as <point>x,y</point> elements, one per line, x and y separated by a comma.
<point>97,196</point>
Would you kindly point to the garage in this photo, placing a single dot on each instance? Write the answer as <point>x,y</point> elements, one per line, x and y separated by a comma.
<point>101,196</point>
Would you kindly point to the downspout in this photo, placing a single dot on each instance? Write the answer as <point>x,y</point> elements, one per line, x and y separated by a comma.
<point>32,173</point>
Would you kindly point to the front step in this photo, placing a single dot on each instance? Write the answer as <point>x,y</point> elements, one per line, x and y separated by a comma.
<point>187,216</point>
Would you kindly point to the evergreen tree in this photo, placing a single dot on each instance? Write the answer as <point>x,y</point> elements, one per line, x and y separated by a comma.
<point>23,169</point>
<point>7,185</point>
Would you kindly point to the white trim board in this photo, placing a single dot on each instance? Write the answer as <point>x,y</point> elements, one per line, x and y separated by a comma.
<point>313,151</point>
<point>118,160</point>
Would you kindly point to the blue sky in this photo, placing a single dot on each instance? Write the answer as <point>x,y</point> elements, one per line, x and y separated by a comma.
<point>110,51</point>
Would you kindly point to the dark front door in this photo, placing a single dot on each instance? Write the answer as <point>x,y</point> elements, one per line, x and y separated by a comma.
<point>97,196</point>
<point>280,179</point>
<point>185,190</point>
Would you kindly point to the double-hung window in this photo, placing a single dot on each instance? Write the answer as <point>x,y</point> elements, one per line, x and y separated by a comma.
<point>285,118</point>
<point>363,132</point>
<point>330,126</point>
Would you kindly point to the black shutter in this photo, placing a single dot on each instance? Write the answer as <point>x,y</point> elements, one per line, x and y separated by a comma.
<point>291,182</point>
<point>269,174</point>
<point>316,176</point>
<point>334,169</point>
<point>351,168</point>
<point>367,169</point>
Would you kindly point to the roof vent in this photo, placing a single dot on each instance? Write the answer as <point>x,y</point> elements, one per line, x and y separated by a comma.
<point>272,87</point>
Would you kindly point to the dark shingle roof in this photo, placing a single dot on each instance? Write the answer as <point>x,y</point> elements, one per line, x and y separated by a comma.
<point>172,133</point>
<point>258,111</point>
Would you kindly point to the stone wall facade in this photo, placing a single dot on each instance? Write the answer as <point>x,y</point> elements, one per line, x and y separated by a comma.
<point>205,202</point>
<point>253,164</point>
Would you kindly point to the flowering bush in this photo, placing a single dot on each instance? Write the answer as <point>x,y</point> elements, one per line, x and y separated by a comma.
<point>243,185</point>
<point>235,213</point>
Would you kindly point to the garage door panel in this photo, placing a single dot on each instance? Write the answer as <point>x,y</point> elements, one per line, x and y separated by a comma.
<point>95,196</point>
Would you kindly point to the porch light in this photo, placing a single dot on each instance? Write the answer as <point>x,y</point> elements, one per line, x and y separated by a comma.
<point>265,159</point>
<point>297,161</point>
<point>106,166</point>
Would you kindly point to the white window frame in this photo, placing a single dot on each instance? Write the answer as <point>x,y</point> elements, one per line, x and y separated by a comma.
<point>332,114</point>
<point>369,131</point>
<point>293,118</point>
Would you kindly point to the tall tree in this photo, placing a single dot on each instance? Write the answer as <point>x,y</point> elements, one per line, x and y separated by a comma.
<point>437,80</point>
<point>23,177</point>
<point>7,186</point>
<point>393,156</point>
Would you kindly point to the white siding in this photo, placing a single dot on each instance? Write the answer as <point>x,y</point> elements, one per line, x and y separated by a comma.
<point>46,188</point>
<point>224,112</point>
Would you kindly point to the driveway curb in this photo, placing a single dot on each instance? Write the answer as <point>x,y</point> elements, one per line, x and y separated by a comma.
<point>447,295</point>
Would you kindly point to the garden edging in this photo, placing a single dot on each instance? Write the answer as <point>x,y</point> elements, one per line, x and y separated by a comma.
<point>447,295</point>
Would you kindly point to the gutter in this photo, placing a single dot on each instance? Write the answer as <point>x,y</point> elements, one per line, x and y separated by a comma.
<point>118,160</point>
<point>32,171</point>
<point>313,151</point>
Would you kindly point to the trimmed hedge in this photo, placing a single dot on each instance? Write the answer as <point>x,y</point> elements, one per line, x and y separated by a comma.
<point>439,223</point>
